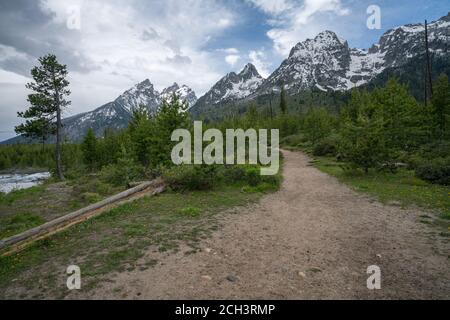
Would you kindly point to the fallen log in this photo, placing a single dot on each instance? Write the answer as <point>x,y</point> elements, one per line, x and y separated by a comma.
<point>22,239</point>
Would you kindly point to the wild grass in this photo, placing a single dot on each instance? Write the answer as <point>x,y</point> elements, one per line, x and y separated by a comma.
<point>402,186</point>
<point>119,240</point>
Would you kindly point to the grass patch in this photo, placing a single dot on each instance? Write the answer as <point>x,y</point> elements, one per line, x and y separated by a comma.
<point>401,186</point>
<point>117,240</point>
<point>50,200</point>
<point>190,212</point>
<point>20,222</point>
<point>9,199</point>
<point>263,187</point>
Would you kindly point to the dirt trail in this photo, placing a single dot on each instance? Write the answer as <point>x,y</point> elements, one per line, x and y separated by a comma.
<point>313,239</point>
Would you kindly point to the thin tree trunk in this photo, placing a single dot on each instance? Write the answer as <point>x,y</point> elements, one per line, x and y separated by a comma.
<point>59,171</point>
<point>425,93</point>
<point>58,146</point>
<point>429,77</point>
<point>271,112</point>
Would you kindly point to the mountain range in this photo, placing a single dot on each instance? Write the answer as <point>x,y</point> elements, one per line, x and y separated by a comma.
<point>117,113</point>
<point>325,63</point>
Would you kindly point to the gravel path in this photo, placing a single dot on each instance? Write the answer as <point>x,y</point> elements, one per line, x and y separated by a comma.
<point>314,239</point>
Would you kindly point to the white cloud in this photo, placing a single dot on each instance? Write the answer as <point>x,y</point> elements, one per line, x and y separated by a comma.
<point>115,35</point>
<point>259,60</point>
<point>232,59</point>
<point>312,7</point>
<point>224,22</point>
<point>122,43</point>
<point>295,21</point>
<point>229,50</point>
<point>272,6</point>
<point>8,77</point>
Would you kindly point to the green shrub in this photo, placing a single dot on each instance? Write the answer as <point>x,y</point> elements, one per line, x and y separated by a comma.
<point>437,171</point>
<point>317,124</point>
<point>91,197</point>
<point>294,140</point>
<point>274,181</point>
<point>253,176</point>
<point>326,147</point>
<point>190,177</point>
<point>234,173</point>
<point>414,161</point>
<point>120,175</point>
<point>436,149</point>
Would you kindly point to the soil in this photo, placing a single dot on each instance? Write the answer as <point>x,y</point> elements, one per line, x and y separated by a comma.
<point>314,239</point>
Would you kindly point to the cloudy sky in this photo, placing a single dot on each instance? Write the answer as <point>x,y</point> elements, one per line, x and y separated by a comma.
<point>110,45</point>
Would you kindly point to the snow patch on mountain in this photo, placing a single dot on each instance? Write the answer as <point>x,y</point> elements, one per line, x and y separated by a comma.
<point>184,92</point>
<point>232,87</point>
<point>327,63</point>
<point>117,113</point>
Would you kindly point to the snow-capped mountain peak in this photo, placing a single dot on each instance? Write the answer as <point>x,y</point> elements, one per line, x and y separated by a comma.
<point>142,93</point>
<point>233,87</point>
<point>249,72</point>
<point>117,113</point>
<point>324,41</point>
<point>184,92</point>
<point>327,63</point>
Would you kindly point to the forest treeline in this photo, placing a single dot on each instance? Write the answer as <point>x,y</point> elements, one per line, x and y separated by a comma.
<point>381,129</point>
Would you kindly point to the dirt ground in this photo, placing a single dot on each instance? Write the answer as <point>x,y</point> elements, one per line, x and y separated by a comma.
<point>314,239</point>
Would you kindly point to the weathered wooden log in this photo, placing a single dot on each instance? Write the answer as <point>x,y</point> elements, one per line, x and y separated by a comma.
<point>133,184</point>
<point>83,214</point>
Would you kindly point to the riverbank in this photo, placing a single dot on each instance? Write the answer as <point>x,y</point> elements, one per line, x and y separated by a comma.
<point>16,181</point>
<point>27,170</point>
<point>27,208</point>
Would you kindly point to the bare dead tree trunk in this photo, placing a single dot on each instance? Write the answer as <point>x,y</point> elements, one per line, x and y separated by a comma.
<point>270,103</point>
<point>429,77</point>
<point>425,86</point>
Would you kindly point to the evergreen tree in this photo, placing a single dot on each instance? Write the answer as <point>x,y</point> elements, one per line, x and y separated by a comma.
<point>140,114</point>
<point>362,132</point>
<point>283,102</point>
<point>126,166</point>
<point>317,124</point>
<point>441,107</point>
<point>251,117</point>
<point>39,128</point>
<point>171,115</point>
<point>47,102</point>
<point>403,121</point>
<point>89,148</point>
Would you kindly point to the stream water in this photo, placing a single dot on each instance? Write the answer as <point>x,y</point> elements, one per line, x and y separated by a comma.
<point>14,181</point>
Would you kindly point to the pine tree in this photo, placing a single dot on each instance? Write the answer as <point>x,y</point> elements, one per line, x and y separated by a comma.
<point>251,117</point>
<point>362,132</point>
<point>402,121</point>
<point>138,115</point>
<point>441,107</point>
<point>39,128</point>
<point>89,148</point>
<point>50,88</point>
<point>283,103</point>
<point>171,115</point>
<point>317,124</point>
<point>126,166</point>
